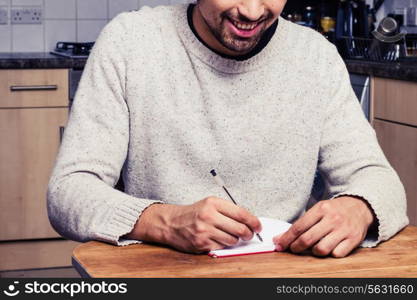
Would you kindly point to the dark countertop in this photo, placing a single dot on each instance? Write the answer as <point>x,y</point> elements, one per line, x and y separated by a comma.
<point>40,60</point>
<point>404,70</point>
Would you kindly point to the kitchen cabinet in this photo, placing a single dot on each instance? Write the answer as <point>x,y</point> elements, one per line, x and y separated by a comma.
<point>394,113</point>
<point>30,140</point>
<point>33,113</point>
<point>396,101</point>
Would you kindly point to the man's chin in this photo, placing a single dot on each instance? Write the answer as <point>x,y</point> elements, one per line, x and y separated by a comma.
<point>237,50</point>
<point>238,47</point>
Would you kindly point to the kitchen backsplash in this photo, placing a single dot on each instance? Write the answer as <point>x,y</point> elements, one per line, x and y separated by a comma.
<point>63,20</point>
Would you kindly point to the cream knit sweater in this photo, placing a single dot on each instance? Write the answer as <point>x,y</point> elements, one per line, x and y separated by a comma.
<point>156,102</point>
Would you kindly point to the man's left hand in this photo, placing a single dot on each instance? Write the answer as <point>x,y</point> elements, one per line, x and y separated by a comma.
<point>331,227</point>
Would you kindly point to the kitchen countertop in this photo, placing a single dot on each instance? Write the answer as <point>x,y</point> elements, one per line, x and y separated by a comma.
<point>41,60</point>
<point>404,70</point>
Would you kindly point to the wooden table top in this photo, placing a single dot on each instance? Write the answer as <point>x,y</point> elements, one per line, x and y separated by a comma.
<point>394,258</point>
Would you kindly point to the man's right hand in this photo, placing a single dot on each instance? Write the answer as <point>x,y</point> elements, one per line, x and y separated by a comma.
<point>209,224</point>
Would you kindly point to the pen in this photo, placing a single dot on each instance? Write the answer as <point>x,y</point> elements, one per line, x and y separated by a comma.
<point>220,182</point>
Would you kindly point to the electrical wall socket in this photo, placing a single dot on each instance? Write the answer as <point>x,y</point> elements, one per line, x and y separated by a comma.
<point>27,15</point>
<point>3,15</point>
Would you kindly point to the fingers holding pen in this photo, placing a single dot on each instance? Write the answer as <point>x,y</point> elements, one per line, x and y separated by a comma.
<point>211,223</point>
<point>233,227</point>
<point>230,218</point>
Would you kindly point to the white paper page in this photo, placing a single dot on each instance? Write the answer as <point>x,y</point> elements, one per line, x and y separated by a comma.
<point>270,228</point>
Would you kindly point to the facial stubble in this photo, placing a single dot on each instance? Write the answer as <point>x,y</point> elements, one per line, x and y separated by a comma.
<point>232,42</point>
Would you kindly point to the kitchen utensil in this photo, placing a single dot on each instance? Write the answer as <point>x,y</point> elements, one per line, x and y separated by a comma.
<point>388,43</point>
<point>388,31</point>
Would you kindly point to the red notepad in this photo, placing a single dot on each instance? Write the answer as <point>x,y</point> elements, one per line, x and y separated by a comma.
<point>270,228</point>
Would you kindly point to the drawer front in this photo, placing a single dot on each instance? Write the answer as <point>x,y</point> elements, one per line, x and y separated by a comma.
<point>399,144</point>
<point>395,100</point>
<point>34,88</point>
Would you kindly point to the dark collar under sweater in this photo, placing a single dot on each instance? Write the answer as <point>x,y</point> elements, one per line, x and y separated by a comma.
<point>275,49</point>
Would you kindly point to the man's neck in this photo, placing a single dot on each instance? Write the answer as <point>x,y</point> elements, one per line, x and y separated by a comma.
<point>196,24</point>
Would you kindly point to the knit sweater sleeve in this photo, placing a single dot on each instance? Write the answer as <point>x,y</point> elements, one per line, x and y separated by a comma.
<point>352,161</point>
<point>82,202</point>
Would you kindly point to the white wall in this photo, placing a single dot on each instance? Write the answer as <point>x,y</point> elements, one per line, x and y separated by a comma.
<point>390,5</point>
<point>64,20</point>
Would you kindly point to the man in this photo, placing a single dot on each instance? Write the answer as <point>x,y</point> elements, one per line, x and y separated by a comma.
<point>173,92</point>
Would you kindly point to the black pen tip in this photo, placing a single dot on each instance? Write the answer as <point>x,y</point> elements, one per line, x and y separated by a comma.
<point>259,237</point>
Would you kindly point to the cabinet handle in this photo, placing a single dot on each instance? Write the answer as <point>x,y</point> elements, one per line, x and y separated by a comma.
<point>21,88</point>
<point>61,133</point>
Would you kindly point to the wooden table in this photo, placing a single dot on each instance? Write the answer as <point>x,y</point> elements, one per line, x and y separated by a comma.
<point>394,258</point>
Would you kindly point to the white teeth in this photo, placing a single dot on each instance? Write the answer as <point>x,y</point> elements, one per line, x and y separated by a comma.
<point>244,26</point>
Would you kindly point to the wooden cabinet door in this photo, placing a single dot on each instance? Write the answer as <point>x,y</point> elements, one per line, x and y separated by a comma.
<point>399,143</point>
<point>30,138</point>
<point>395,100</point>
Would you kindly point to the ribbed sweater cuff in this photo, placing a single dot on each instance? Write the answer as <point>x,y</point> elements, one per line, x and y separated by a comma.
<point>122,221</point>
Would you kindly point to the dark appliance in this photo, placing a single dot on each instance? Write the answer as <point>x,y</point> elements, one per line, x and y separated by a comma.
<point>73,49</point>
<point>76,51</point>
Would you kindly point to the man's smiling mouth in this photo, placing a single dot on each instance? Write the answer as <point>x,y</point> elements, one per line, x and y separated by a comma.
<point>244,30</point>
<point>244,26</point>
